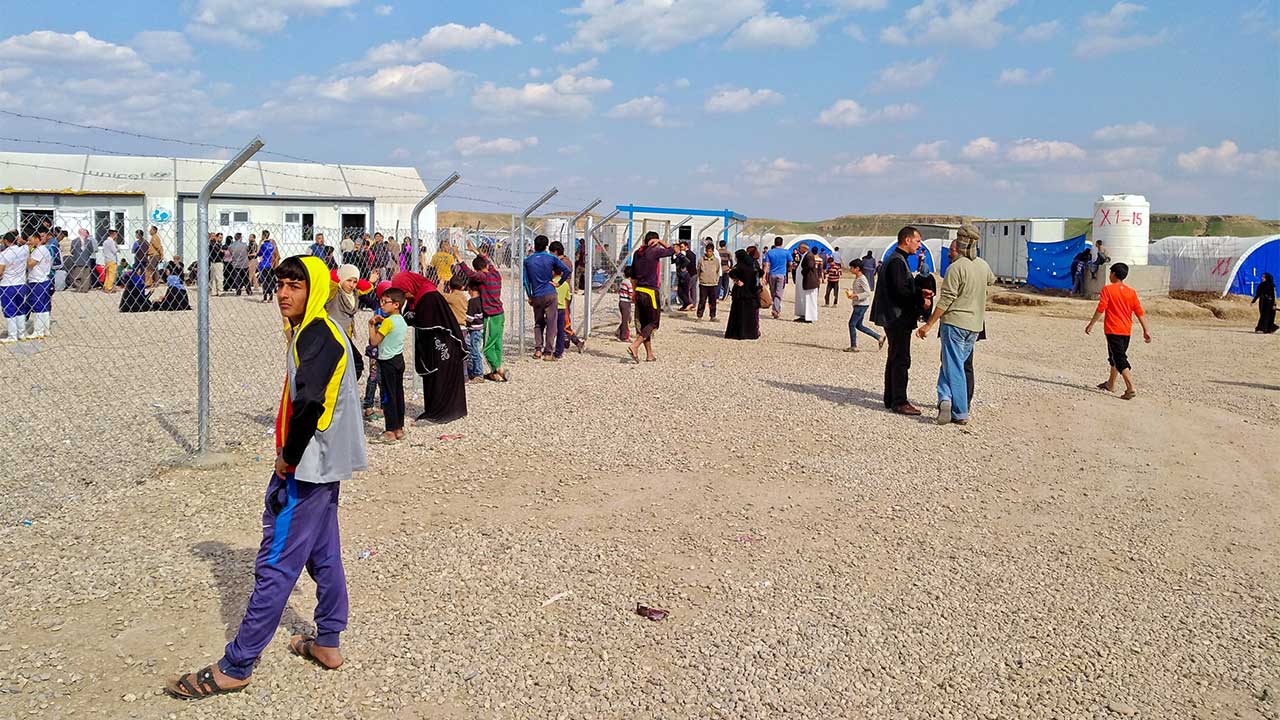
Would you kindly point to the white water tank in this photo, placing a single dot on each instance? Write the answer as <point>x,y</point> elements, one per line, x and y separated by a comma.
<point>557,228</point>
<point>1122,223</point>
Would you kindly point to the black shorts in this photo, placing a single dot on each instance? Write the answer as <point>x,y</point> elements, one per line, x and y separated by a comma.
<point>648,311</point>
<point>1118,352</point>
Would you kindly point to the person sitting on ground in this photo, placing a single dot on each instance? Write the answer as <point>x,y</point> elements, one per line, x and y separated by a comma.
<point>1119,303</point>
<point>134,297</point>
<point>175,295</point>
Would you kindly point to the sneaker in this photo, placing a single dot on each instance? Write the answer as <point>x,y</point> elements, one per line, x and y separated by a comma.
<point>852,349</point>
<point>944,412</point>
<point>883,339</point>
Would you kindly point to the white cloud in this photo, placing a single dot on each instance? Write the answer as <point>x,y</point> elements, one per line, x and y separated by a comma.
<point>843,113</point>
<point>769,173</point>
<point>571,85</point>
<point>774,30</point>
<point>980,148</point>
<point>943,170</point>
<point>539,38</point>
<point>581,68</point>
<point>241,21</point>
<point>532,98</point>
<point>515,170</point>
<point>1127,133</point>
<point>860,4</point>
<point>438,40</point>
<point>855,31</point>
<point>533,73</point>
<point>1040,32</point>
<point>893,113</point>
<point>1032,150</point>
<point>13,74</point>
<point>1100,46</point>
<point>570,150</point>
<point>873,164</point>
<point>737,100</point>
<point>383,10</point>
<point>475,145</point>
<point>902,76</point>
<point>1015,77</point>
<point>43,47</point>
<point>399,154</point>
<point>648,108</point>
<point>848,113</point>
<point>681,83</point>
<point>1104,32</point>
<point>1129,157</point>
<point>928,151</point>
<point>1113,20</point>
<point>389,82</point>
<point>973,23</point>
<point>163,47</point>
<point>1226,159</point>
<point>654,25</point>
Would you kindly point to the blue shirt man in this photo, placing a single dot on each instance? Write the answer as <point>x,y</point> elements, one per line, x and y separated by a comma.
<point>538,269</point>
<point>777,257</point>
<point>537,272</point>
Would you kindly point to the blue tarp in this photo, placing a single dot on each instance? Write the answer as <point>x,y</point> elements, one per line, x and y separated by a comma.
<point>1264,258</point>
<point>1049,264</point>
<point>913,262</point>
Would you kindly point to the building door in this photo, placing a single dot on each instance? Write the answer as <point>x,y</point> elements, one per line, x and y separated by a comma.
<point>308,228</point>
<point>353,225</point>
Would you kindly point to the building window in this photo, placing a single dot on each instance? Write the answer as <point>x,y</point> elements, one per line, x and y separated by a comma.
<point>1022,230</point>
<point>240,216</point>
<point>224,219</point>
<point>1006,231</point>
<point>293,218</point>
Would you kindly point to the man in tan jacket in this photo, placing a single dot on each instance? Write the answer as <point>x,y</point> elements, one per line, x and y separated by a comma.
<point>960,306</point>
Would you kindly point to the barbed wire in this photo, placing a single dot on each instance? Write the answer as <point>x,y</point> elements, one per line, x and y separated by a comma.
<point>267,171</point>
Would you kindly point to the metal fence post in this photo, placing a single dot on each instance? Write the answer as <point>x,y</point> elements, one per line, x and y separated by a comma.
<point>202,287</point>
<point>586,255</point>
<point>415,262</point>
<point>524,217</point>
<point>604,289</point>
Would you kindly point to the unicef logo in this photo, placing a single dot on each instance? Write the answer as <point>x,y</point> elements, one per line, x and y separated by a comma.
<point>159,215</point>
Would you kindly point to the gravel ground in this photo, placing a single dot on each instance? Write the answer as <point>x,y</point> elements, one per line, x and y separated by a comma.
<point>1067,555</point>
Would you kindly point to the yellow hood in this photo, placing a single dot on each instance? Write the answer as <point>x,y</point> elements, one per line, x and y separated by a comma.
<point>318,291</point>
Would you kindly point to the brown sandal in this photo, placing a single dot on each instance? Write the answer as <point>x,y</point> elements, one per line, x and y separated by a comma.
<point>301,645</point>
<point>198,686</point>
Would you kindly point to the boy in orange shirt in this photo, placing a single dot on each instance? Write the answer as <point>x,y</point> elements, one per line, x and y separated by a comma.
<point>1119,303</point>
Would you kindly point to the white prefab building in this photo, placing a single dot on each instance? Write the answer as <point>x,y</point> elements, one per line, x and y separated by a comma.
<point>1004,242</point>
<point>292,200</point>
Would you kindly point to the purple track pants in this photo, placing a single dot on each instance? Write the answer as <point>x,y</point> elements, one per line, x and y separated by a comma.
<point>299,530</point>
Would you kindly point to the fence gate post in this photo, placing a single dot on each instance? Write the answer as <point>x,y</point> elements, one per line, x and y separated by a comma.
<point>415,262</point>
<point>202,287</point>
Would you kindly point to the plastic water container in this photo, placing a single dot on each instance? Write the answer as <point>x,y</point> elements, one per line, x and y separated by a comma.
<point>1122,223</point>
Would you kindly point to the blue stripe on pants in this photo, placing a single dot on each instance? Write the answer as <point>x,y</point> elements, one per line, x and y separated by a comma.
<point>308,539</point>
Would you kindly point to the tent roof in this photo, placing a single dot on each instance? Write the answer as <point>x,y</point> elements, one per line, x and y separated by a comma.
<point>170,177</point>
<point>1205,264</point>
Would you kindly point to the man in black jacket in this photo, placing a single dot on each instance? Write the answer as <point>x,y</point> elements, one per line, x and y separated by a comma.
<point>899,303</point>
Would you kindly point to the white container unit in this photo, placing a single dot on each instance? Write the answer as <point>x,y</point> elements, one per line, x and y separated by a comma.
<point>1122,223</point>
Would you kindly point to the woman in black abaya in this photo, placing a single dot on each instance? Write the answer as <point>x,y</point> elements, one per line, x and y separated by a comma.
<point>744,311</point>
<point>1265,296</point>
<point>438,350</point>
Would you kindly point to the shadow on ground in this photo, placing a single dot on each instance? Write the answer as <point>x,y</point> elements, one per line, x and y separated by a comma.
<point>233,572</point>
<point>1239,383</point>
<point>830,393</point>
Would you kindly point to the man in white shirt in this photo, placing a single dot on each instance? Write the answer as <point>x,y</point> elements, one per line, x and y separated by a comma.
<point>40,285</point>
<point>110,260</point>
<point>13,285</point>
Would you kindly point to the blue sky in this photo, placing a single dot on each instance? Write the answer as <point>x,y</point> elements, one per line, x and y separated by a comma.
<point>800,110</point>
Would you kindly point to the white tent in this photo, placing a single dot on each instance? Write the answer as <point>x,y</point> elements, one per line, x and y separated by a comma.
<point>881,246</point>
<point>1220,264</point>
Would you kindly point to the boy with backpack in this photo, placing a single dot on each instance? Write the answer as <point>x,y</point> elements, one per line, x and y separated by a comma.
<point>1119,304</point>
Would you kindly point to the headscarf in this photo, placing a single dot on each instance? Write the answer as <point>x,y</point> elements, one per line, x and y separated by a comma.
<point>413,284</point>
<point>340,301</point>
<point>744,258</point>
<point>1268,285</point>
<point>967,241</point>
<point>347,245</point>
<point>175,282</point>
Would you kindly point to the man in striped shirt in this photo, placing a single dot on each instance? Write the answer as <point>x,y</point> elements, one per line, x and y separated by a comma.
<point>483,270</point>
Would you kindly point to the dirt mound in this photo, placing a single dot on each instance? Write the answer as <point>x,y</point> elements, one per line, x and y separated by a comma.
<point>1016,299</point>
